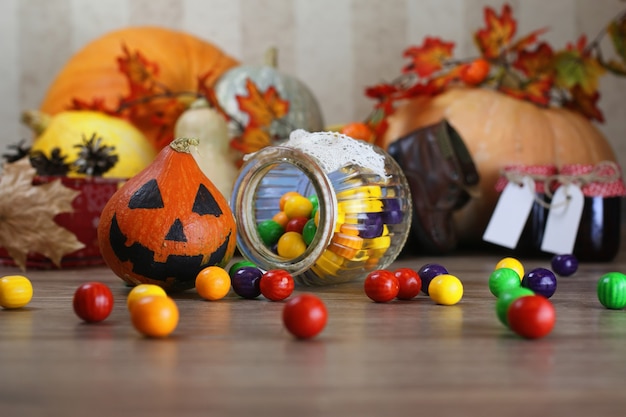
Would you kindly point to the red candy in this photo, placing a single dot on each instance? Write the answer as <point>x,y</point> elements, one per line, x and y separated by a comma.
<point>93,302</point>
<point>531,316</point>
<point>305,316</point>
<point>381,286</point>
<point>410,283</point>
<point>296,224</point>
<point>276,284</point>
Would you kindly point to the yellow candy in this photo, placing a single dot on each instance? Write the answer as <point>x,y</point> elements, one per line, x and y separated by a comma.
<point>285,197</point>
<point>298,206</point>
<point>360,206</point>
<point>143,290</point>
<point>291,245</point>
<point>15,291</point>
<point>328,266</point>
<point>382,242</point>
<point>513,264</point>
<point>366,191</point>
<point>445,289</point>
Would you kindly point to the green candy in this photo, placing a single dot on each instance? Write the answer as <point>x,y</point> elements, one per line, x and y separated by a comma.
<point>238,265</point>
<point>612,290</point>
<point>270,231</point>
<point>506,298</point>
<point>503,279</point>
<point>308,232</point>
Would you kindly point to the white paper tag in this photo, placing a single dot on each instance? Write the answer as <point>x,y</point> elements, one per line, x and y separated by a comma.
<point>563,220</point>
<point>511,212</point>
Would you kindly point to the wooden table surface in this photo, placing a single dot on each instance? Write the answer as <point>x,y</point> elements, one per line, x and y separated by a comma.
<point>233,356</point>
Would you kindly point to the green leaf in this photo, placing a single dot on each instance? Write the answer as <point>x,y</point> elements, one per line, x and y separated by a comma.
<point>573,69</point>
<point>617,32</point>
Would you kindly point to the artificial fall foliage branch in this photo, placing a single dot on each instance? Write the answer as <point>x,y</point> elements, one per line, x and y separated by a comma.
<point>526,68</point>
<point>27,214</point>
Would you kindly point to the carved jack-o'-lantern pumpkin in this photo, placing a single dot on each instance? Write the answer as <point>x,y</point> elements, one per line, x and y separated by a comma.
<point>167,223</point>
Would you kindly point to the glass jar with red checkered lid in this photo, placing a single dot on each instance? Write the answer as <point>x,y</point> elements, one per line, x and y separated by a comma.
<point>529,243</point>
<point>598,237</point>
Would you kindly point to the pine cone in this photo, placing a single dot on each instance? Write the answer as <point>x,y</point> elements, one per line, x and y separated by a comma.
<point>94,159</point>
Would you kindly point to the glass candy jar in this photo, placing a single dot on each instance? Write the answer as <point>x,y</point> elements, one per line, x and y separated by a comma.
<point>363,213</point>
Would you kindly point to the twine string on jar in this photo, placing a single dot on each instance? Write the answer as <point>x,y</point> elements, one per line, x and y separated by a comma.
<point>603,172</point>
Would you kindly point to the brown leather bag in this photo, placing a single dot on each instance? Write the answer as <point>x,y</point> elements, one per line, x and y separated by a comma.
<point>440,171</point>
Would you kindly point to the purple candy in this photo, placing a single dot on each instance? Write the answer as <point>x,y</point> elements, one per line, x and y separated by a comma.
<point>393,217</point>
<point>392,213</point>
<point>428,272</point>
<point>372,226</point>
<point>540,280</point>
<point>391,204</point>
<point>564,265</point>
<point>246,282</point>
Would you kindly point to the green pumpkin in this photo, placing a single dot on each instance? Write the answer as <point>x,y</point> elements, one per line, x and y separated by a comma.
<point>304,110</point>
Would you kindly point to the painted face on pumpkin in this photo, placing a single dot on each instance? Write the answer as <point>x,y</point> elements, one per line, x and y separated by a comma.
<point>175,228</point>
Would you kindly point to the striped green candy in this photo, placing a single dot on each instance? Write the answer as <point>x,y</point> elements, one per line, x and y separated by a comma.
<point>612,290</point>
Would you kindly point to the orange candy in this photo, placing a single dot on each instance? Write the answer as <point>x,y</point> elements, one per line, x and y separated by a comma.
<point>154,316</point>
<point>281,218</point>
<point>213,283</point>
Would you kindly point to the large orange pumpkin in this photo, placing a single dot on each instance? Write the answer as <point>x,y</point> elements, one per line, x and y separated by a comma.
<point>500,130</point>
<point>162,58</point>
<point>167,223</point>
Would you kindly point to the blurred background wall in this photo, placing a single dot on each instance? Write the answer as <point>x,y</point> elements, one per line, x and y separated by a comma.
<point>337,47</point>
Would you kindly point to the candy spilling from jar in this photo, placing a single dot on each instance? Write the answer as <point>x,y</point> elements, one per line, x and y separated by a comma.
<point>361,233</point>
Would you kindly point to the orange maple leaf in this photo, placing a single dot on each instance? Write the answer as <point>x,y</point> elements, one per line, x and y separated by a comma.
<point>264,107</point>
<point>252,139</point>
<point>96,104</point>
<point>428,58</point>
<point>140,72</point>
<point>498,34</point>
<point>536,91</point>
<point>528,40</point>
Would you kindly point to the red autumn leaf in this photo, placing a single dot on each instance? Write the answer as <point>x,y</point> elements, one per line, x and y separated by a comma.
<point>380,91</point>
<point>579,46</point>
<point>498,34</point>
<point>428,58</point>
<point>264,107</point>
<point>584,103</point>
<point>539,62</point>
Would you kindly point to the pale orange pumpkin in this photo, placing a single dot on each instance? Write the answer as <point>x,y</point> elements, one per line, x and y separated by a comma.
<point>500,130</point>
<point>93,73</point>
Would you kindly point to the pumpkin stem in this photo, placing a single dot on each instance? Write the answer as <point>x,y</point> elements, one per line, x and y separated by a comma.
<point>184,144</point>
<point>36,120</point>
<point>271,57</point>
